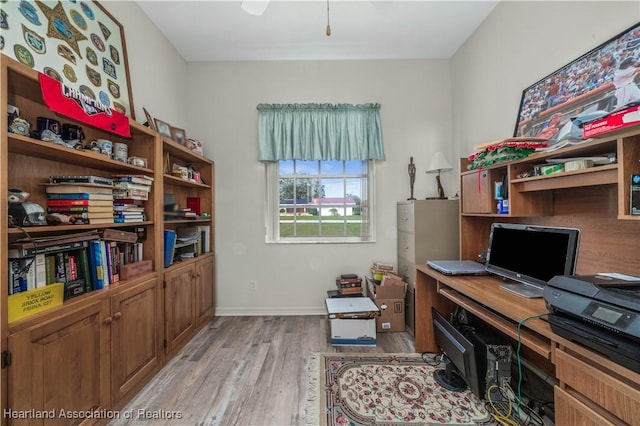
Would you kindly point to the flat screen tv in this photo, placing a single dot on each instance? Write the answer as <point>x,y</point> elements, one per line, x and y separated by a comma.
<point>532,254</point>
<point>462,366</point>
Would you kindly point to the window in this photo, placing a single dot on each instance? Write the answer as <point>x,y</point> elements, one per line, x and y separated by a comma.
<point>320,201</point>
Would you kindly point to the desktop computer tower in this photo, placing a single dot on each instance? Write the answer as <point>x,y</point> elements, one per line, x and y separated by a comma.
<point>493,357</point>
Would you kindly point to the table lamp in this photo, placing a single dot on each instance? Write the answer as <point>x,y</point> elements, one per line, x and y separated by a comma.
<point>439,163</point>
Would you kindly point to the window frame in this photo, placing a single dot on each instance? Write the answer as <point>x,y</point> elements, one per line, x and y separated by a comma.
<point>272,211</point>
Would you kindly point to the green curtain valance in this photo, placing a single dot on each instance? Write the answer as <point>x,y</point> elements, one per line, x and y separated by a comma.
<point>319,132</point>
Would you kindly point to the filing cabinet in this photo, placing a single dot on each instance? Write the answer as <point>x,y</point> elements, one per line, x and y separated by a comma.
<point>427,230</point>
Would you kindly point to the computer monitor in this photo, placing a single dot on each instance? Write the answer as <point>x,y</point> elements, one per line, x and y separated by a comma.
<point>532,254</point>
<point>462,369</point>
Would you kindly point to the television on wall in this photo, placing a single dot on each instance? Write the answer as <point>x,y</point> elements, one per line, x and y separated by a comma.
<point>599,82</point>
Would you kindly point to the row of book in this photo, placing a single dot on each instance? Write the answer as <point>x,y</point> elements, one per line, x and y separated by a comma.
<point>83,262</point>
<point>99,200</point>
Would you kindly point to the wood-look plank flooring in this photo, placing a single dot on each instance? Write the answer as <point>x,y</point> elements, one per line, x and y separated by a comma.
<point>245,371</point>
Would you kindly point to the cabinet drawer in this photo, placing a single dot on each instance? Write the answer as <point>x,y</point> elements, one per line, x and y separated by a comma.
<point>407,269</point>
<point>570,409</point>
<point>406,217</point>
<point>606,390</point>
<point>406,245</point>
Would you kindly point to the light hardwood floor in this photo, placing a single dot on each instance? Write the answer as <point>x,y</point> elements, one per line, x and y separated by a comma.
<point>244,371</point>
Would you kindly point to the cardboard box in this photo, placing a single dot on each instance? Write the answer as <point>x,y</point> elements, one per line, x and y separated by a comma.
<point>618,120</point>
<point>391,317</point>
<point>391,287</point>
<point>352,321</point>
<point>389,298</point>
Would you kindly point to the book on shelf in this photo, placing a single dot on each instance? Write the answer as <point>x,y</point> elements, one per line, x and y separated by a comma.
<point>130,186</point>
<point>25,249</point>
<point>128,202</point>
<point>92,215</point>
<point>128,207</point>
<point>27,273</point>
<point>193,203</point>
<point>61,188</point>
<point>80,209</point>
<point>143,179</point>
<point>80,196</point>
<point>99,180</point>
<point>169,247</point>
<point>132,194</point>
<point>128,219</point>
<point>205,232</point>
<point>96,266</point>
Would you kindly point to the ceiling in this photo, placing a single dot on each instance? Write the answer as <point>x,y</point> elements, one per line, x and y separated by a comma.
<point>219,30</point>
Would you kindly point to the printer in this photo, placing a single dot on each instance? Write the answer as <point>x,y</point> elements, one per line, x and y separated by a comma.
<point>599,312</point>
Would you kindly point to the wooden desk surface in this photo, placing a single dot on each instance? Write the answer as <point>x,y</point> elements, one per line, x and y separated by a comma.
<point>483,291</point>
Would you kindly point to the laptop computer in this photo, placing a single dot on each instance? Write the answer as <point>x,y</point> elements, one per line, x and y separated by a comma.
<point>457,267</point>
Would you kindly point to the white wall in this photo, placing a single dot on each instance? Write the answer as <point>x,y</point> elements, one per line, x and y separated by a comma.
<point>157,72</point>
<point>416,121</point>
<point>520,43</point>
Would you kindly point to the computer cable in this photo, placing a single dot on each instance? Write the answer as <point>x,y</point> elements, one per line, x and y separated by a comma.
<point>518,359</point>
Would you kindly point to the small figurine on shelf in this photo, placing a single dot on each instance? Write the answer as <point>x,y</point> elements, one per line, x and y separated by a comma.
<point>197,146</point>
<point>412,177</point>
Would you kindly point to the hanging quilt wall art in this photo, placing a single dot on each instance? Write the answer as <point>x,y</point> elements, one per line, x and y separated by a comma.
<point>75,42</point>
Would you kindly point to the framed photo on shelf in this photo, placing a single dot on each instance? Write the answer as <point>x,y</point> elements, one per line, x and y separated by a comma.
<point>163,128</point>
<point>587,88</point>
<point>79,44</point>
<point>178,135</point>
<point>150,122</point>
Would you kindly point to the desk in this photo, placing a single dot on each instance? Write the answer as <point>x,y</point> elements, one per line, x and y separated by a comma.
<point>592,390</point>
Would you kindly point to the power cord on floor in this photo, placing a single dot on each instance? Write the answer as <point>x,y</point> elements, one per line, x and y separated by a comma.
<point>501,400</point>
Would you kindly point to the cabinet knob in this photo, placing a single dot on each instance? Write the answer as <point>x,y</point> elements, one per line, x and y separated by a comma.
<point>108,320</point>
<point>117,315</point>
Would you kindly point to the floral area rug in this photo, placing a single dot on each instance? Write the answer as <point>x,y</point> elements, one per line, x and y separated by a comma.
<point>384,389</point>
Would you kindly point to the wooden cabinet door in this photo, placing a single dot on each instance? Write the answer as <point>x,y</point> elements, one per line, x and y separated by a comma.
<point>205,290</point>
<point>477,192</point>
<point>62,364</point>
<point>179,310</point>
<point>135,337</point>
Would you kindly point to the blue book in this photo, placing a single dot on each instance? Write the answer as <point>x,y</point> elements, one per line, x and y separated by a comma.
<point>169,247</point>
<point>96,265</point>
<point>79,196</point>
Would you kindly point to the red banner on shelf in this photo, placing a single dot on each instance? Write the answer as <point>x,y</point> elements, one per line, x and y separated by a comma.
<point>74,104</point>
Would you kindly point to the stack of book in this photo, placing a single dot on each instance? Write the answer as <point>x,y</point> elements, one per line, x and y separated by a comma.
<point>130,194</point>
<point>349,284</point>
<point>86,199</point>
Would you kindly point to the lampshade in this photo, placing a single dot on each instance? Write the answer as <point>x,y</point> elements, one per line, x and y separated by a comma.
<point>438,163</point>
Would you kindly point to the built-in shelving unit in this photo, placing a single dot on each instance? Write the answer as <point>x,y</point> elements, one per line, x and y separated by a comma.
<point>96,350</point>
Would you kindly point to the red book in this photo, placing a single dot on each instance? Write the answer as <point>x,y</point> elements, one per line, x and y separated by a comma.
<point>67,202</point>
<point>193,203</point>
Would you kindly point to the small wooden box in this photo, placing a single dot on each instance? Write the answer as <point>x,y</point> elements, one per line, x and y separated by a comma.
<point>134,270</point>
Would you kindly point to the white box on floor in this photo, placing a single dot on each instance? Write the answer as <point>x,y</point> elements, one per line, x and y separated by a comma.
<point>352,320</point>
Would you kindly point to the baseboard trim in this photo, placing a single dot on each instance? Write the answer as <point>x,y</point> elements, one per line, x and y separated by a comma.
<point>246,312</point>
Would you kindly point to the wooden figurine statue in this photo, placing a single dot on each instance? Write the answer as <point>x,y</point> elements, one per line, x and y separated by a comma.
<point>412,177</point>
